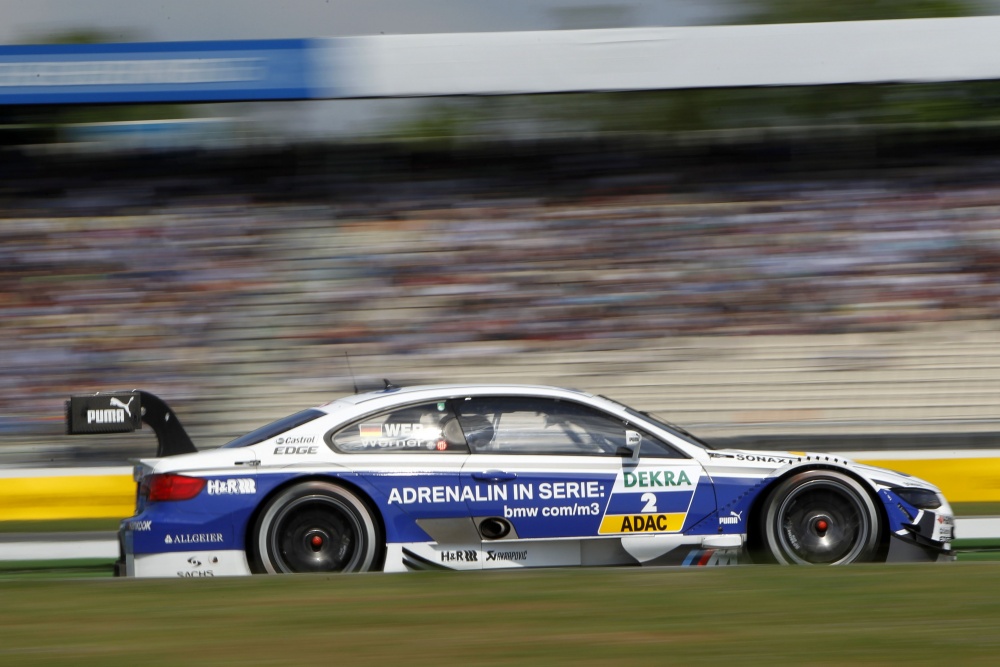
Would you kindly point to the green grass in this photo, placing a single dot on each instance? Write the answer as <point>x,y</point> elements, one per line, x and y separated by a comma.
<point>968,551</point>
<point>60,526</point>
<point>761,615</point>
<point>974,556</point>
<point>77,567</point>
<point>976,509</point>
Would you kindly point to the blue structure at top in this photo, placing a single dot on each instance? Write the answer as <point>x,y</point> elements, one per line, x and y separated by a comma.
<point>157,72</point>
<point>505,63</point>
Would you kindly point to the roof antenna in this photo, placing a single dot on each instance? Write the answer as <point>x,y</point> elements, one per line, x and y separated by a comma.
<point>351,371</point>
<point>388,385</point>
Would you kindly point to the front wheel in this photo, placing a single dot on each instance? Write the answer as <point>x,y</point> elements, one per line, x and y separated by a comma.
<point>315,527</point>
<point>821,518</point>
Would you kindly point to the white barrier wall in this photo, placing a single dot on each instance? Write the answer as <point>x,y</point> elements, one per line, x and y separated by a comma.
<point>917,50</point>
<point>495,63</point>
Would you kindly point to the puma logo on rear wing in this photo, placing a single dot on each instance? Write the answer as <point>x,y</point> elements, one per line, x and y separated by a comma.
<point>127,411</point>
<point>116,402</point>
<point>104,413</point>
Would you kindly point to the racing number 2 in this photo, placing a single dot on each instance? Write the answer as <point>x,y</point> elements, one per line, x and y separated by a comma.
<point>650,500</point>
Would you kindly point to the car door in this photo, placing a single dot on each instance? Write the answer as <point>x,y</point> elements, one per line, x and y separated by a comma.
<point>410,459</point>
<point>556,482</point>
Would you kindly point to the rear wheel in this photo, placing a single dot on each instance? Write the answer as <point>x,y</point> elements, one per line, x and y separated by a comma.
<point>316,527</point>
<point>821,518</point>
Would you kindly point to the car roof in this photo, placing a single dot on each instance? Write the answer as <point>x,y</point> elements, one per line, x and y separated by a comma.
<point>397,395</point>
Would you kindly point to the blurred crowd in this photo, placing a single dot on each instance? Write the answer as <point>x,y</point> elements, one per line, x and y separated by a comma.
<point>192,282</point>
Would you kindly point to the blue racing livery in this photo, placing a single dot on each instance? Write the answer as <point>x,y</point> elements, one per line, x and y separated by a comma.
<point>497,476</point>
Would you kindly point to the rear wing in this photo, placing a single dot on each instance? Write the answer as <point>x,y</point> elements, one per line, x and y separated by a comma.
<point>125,412</point>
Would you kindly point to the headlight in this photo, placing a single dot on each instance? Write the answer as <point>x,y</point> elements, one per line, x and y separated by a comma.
<point>923,499</point>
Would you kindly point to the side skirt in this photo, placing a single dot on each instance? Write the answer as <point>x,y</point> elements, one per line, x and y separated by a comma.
<point>188,564</point>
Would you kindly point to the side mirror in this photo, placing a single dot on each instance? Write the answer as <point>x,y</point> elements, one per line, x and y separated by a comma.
<point>631,447</point>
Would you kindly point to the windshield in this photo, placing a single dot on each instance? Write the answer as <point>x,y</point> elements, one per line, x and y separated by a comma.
<point>671,428</point>
<point>275,428</point>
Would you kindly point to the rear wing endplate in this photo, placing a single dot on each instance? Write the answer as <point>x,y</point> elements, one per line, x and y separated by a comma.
<point>125,412</point>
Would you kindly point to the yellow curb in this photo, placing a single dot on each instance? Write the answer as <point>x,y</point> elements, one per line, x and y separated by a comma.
<point>113,496</point>
<point>67,497</point>
<point>967,480</point>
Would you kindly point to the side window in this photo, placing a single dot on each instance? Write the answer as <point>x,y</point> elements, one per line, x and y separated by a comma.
<point>653,448</point>
<point>428,428</point>
<point>517,425</point>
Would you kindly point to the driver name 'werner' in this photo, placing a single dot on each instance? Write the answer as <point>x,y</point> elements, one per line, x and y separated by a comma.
<point>490,493</point>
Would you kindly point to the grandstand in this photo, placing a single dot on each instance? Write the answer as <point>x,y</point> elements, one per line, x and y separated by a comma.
<point>753,292</point>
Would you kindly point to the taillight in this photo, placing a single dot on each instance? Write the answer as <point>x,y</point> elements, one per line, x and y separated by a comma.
<point>168,486</point>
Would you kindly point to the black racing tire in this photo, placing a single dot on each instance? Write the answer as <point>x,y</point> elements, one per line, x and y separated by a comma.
<point>821,517</point>
<point>315,527</point>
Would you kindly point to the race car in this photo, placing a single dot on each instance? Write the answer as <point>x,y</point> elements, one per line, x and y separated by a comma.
<point>469,477</point>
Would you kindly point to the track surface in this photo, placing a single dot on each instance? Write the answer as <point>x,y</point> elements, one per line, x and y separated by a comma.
<point>91,554</point>
<point>865,615</point>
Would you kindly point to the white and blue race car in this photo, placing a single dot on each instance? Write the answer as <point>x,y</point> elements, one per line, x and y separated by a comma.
<point>469,477</point>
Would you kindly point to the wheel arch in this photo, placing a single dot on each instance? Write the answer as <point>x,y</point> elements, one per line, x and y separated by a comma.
<point>249,534</point>
<point>755,516</point>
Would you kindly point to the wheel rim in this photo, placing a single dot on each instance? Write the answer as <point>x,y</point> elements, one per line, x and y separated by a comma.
<point>821,522</point>
<point>316,534</point>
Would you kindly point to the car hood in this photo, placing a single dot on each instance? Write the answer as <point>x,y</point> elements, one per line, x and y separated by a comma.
<point>886,477</point>
<point>754,459</point>
<point>765,462</point>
